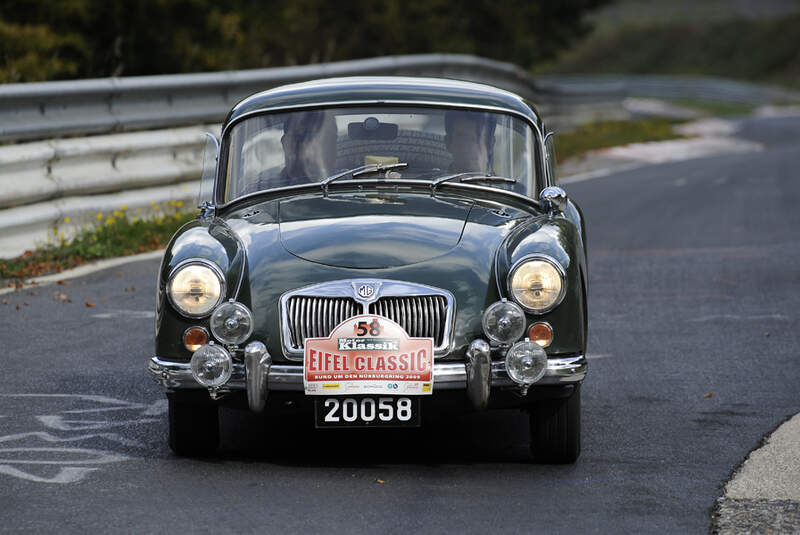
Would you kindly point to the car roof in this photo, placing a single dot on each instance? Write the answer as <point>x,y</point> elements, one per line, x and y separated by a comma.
<point>389,89</point>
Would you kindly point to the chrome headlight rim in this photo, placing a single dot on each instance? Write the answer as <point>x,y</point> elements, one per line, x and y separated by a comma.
<point>553,262</point>
<point>223,353</point>
<point>230,342</point>
<point>493,338</point>
<point>196,262</point>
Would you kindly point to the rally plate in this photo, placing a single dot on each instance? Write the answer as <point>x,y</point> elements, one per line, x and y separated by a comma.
<point>368,411</point>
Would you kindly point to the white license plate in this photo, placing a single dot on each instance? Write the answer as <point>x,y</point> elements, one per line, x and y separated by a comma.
<point>367,411</point>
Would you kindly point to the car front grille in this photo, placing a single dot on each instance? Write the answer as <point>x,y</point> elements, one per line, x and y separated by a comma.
<point>421,316</point>
<point>315,317</point>
<point>314,311</point>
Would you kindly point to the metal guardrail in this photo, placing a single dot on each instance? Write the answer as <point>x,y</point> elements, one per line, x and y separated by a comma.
<point>666,87</point>
<point>82,107</point>
<point>44,183</point>
<point>54,109</point>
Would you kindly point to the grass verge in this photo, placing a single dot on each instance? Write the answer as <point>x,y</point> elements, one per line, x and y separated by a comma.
<point>760,50</point>
<point>715,108</point>
<point>605,134</point>
<point>109,236</point>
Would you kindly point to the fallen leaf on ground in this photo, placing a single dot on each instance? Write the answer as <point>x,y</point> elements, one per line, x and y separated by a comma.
<point>766,333</point>
<point>90,305</point>
<point>105,299</point>
<point>63,283</point>
<point>6,302</point>
<point>379,480</point>
<point>709,395</point>
<point>27,303</point>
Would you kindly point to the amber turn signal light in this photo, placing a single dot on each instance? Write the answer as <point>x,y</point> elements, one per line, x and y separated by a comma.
<point>194,338</point>
<point>541,333</point>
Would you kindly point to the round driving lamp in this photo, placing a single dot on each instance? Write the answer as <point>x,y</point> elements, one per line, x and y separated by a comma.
<point>231,323</point>
<point>504,322</point>
<point>212,365</point>
<point>526,362</point>
<point>195,289</point>
<point>537,284</point>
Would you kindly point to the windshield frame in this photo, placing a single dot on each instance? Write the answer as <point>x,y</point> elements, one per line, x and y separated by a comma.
<point>539,164</point>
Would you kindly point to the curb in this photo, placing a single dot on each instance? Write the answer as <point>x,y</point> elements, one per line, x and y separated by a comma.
<point>87,269</point>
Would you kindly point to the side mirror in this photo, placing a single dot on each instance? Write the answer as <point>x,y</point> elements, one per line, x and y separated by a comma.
<point>205,199</point>
<point>553,199</point>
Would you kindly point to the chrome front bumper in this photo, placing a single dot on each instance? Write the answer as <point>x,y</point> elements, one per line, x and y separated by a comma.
<point>446,375</point>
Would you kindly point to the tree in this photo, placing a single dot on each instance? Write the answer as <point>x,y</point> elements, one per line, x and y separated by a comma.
<point>52,39</point>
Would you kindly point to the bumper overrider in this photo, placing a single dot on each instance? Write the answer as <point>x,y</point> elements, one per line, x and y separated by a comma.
<point>477,375</point>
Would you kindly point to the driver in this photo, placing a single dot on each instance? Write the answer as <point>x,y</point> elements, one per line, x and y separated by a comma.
<point>469,137</point>
<point>309,148</point>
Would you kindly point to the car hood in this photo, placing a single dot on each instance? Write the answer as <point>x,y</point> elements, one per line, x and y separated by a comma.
<point>371,231</point>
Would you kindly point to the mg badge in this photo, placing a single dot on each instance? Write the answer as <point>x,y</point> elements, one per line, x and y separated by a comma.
<point>366,291</point>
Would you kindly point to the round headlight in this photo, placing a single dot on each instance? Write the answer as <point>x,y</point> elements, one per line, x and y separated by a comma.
<point>212,366</point>
<point>231,323</point>
<point>504,322</point>
<point>526,362</point>
<point>195,289</point>
<point>537,284</point>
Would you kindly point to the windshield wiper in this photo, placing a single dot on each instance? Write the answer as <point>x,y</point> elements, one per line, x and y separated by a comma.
<point>471,176</point>
<point>361,170</point>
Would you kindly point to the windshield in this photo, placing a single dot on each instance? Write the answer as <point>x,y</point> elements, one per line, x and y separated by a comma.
<point>299,147</point>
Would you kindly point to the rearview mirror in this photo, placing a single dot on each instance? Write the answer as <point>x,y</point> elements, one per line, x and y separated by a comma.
<point>372,128</point>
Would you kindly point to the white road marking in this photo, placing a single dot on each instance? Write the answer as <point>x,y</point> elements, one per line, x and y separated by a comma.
<point>55,421</point>
<point>680,149</point>
<point>49,437</point>
<point>738,317</point>
<point>157,408</point>
<point>715,136</point>
<point>66,474</point>
<point>94,456</point>
<point>132,314</point>
<point>74,464</point>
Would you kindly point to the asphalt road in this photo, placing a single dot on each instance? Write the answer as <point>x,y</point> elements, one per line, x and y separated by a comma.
<point>693,296</point>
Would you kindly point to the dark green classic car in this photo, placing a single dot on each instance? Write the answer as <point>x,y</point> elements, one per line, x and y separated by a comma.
<point>368,248</point>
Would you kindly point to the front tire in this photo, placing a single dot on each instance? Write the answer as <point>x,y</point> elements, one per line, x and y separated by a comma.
<point>555,427</point>
<point>193,428</point>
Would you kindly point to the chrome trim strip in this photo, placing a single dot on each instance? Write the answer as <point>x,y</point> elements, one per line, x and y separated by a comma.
<point>367,102</point>
<point>447,375</point>
<point>347,288</point>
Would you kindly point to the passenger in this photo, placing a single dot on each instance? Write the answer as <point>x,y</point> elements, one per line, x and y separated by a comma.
<point>469,137</point>
<point>309,148</point>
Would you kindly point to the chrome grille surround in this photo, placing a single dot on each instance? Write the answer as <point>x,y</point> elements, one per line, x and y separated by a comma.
<point>313,311</point>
